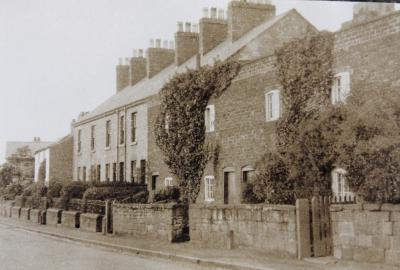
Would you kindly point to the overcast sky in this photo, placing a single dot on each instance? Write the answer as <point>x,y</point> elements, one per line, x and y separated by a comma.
<point>58,57</point>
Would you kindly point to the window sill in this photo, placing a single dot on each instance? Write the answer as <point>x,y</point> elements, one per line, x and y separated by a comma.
<point>210,131</point>
<point>209,200</point>
<point>272,120</point>
<point>93,151</point>
<point>121,145</point>
<point>134,143</point>
<point>107,148</point>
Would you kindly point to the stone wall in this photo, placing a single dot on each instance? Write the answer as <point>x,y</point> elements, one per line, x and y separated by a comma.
<point>157,221</point>
<point>366,233</point>
<point>270,228</point>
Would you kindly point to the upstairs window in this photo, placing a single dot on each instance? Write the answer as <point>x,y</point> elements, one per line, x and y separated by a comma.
<point>79,141</point>
<point>79,174</point>
<point>133,127</point>
<point>272,105</point>
<point>209,118</point>
<point>168,182</point>
<point>108,133</point>
<point>122,130</point>
<point>92,139</point>
<point>209,188</point>
<point>340,88</point>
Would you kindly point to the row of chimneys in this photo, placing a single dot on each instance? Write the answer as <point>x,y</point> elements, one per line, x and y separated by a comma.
<point>193,39</point>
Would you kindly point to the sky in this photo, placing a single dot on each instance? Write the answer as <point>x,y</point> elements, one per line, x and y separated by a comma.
<point>58,57</point>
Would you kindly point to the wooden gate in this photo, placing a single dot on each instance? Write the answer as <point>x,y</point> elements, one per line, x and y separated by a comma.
<point>320,227</point>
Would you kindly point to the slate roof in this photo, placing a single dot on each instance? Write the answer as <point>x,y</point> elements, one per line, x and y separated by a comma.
<point>148,87</point>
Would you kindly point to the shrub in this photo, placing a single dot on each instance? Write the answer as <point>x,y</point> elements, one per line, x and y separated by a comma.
<point>111,192</point>
<point>12,190</point>
<point>248,194</point>
<point>35,190</point>
<point>54,190</point>
<point>169,194</point>
<point>369,145</point>
<point>71,190</point>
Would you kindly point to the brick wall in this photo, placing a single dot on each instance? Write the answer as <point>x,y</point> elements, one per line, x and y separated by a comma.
<point>157,221</point>
<point>366,233</point>
<point>271,228</point>
<point>60,165</point>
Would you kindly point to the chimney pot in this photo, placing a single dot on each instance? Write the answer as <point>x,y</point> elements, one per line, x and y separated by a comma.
<point>180,26</point>
<point>213,13</point>
<point>151,43</point>
<point>135,53</point>
<point>221,14</point>
<point>140,53</point>
<point>158,43</point>
<point>187,26</point>
<point>205,12</point>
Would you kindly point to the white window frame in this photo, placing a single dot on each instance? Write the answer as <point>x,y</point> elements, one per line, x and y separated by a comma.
<point>340,186</point>
<point>340,87</point>
<point>209,118</point>
<point>209,184</point>
<point>272,105</point>
<point>168,182</point>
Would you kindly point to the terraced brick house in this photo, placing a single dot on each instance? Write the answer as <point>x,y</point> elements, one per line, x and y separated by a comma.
<point>117,138</point>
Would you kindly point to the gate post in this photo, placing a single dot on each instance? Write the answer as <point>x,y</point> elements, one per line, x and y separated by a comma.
<point>303,228</point>
<point>108,217</point>
<point>317,210</point>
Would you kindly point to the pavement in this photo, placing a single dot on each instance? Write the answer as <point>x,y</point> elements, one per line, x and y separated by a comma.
<point>190,253</point>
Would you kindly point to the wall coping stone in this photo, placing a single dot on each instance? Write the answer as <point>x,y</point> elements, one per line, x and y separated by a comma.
<point>147,205</point>
<point>345,207</point>
<point>390,207</point>
<point>91,215</point>
<point>372,206</point>
<point>273,207</point>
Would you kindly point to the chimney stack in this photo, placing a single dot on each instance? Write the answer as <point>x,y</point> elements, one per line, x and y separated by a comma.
<point>213,29</point>
<point>138,67</point>
<point>158,58</point>
<point>245,15</point>
<point>186,42</point>
<point>123,74</point>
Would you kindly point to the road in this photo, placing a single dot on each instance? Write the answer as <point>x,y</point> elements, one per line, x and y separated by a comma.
<point>23,250</point>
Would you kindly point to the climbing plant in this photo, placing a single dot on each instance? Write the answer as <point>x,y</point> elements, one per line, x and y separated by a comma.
<point>180,127</point>
<point>305,131</point>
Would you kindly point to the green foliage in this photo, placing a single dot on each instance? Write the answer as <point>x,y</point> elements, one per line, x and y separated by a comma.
<point>170,194</point>
<point>304,156</point>
<point>183,102</point>
<point>36,191</point>
<point>42,171</point>
<point>370,144</point>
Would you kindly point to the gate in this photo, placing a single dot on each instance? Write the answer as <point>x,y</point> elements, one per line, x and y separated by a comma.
<point>314,231</point>
<point>321,231</point>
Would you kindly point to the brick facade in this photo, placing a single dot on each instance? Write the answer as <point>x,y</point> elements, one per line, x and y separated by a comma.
<point>367,50</point>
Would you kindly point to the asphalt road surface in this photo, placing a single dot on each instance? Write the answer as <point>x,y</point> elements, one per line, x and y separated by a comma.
<point>23,250</point>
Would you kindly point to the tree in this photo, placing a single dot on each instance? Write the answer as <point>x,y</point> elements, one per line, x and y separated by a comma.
<point>6,174</point>
<point>42,171</point>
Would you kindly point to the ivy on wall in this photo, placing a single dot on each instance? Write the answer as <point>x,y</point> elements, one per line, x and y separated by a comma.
<point>302,161</point>
<point>180,127</point>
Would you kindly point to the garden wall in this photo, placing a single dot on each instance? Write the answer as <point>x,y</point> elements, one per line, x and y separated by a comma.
<point>366,232</point>
<point>271,228</point>
<point>157,221</point>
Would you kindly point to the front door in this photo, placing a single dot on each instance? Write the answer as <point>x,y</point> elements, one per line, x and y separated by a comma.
<point>230,188</point>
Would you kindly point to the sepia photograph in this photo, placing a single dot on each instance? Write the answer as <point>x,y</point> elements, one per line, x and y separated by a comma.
<point>199,135</point>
